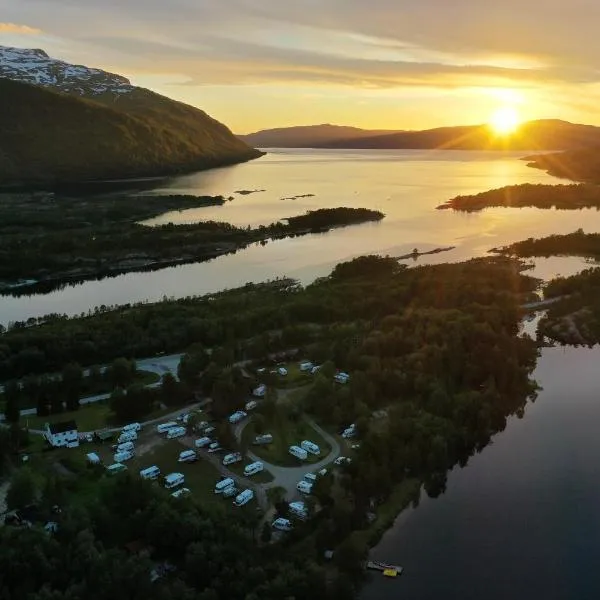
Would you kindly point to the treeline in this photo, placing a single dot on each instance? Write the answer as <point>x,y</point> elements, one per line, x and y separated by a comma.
<point>576,165</point>
<point>126,539</point>
<point>562,197</point>
<point>577,243</point>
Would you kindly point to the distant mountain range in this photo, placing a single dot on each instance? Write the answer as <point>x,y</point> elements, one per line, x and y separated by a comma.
<point>546,134</point>
<point>61,122</point>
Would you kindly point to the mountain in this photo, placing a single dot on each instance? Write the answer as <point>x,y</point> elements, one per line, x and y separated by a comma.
<point>62,122</point>
<point>309,136</point>
<point>547,134</point>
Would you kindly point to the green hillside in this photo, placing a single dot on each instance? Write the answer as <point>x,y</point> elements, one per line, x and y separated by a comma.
<point>48,137</point>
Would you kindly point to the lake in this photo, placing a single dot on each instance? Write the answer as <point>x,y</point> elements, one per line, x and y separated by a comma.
<point>406,185</point>
<point>521,520</point>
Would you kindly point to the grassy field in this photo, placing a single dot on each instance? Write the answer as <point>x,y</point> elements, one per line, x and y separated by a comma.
<point>285,433</point>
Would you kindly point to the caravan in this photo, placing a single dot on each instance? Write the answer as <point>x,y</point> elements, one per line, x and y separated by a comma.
<point>121,457</point>
<point>282,524</point>
<point>299,510</point>
<point>187,456</point>
<point>152,472</point>
<point>304,487</point>
<point>180,492</point>
<point>173,480</point>
<point>253,468</point>
<point>164,427</point>
<point>223,485</point>
<point>233,458</point>
<point>131,427</point>
<point>310,447</point>
<point>116,468</point>
<point>202,442</point>
<point>176,432</point>
<point>243,498</point>
<point>129,436</point>
<point>237,416</point>
<point>261,440</point>
<point>126,447</point>
<point>299,453</point>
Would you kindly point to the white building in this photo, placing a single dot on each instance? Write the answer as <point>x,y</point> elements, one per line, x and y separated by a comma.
<point>62,434</point>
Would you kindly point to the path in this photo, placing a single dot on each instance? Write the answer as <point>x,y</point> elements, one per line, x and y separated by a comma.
<point>288,477</point>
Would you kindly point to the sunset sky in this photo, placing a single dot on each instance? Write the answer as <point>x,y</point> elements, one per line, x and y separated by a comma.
<point>393,64</point>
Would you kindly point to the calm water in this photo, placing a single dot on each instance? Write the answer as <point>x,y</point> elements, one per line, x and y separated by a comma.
<point>522,519</point>
<point>406,185</point>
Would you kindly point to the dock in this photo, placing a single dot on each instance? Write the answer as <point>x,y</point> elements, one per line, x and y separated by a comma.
<point>376,565</point>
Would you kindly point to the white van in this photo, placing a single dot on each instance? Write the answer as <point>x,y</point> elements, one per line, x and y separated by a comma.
<point>253,468</point>
<point>282,524</point>
<point>187,456</point>
<point>152,472</point>
<point>202,442</point>
<point>130,436</point>
<point>230,459</point>
<point>223,485</point>
<point>310,447</point>
<point>176,432</point>
<point>131,427</point>
<point>116,468</point>
<point>299,453</point>
<point>243,498</point>
<point>298,509</point>
<point>173,480</point>
<point>164,427</point>
<point>304,487</point>
<point>181,492</point>
<point>126,447</point>
<point>121,457</point>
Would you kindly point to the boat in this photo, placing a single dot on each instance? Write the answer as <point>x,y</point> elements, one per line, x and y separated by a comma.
<point>377,565</point>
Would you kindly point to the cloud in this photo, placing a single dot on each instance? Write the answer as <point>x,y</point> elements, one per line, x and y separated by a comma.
<point>19,29</point>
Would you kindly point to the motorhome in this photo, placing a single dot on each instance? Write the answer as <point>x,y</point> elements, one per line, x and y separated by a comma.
<point>126,447</point>
<point>299,453</point>
<point>253,468</point>
<point>230,459</point>
<point>130,436</point>
<point>173,480</point>
<point>121,457</point>
<point>152,472</point>
<point>304,487</point>
<point>310,447</point>
<point>181,492</point>
<point>176,432</point>
<point>116,468</point>
<point>251,405</point>
<point>164,427</point>
<point>243,498</point>
<point>187,456</point>
<point>264,439</point>
<point>131,427</point>
<point>223,485</point>
<point>282,524</point>
<point>202,442</point>
<point>237,416</point>
<point>299,510</point>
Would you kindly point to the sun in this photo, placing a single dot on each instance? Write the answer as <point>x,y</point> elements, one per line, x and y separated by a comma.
<point>505,120</point>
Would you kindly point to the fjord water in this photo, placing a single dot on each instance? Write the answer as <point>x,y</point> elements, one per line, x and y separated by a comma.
<point>521,520</point>
<point>406,185</point>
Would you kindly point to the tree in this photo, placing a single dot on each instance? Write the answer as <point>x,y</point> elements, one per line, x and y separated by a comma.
<point>122,372</point>
<point>192,364</point>
<point>22,490</point>
<point>170,391</point>
<point>12,393</point>
<point>351,554</point>
<point>266,533</point>
<point>259,423</point>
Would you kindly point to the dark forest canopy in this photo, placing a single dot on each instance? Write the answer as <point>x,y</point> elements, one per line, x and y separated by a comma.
<point>578,243</point>
<point>562,197</point>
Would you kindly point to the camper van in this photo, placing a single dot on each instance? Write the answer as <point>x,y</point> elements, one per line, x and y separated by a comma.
<point>202,442</point>
<point>243,498</point>
<point>187,456</point>
<point>223,485</point>
<point>230,459</point>
<point>299,453</point>
<point>173,480</point>
<point>253,468</point>
<point>130,436</point>
<point>164,427</point>
<point>121,457</point>
<point>152,472</point>
<point>176,432</point>
<point>116,468</point>
<point>260,440</point>
<point>304,487</point>
<point>310,447</point>
<point>131,427</point>
<point>126,447</point>
<point>282,524</point>
<point>299,510</point>
<point>181,492</point>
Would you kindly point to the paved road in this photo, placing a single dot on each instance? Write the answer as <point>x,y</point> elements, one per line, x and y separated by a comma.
<point>288,477</point>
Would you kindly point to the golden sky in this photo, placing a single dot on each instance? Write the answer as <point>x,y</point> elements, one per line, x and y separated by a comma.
<point>385,64</point>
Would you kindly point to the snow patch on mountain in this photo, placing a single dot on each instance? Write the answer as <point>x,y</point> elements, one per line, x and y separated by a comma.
<point>34,66</point>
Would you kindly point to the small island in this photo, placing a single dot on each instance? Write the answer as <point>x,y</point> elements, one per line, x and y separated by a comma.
<point>527,195</point>
<point>48,240</point>
<point>578,243</point>
<point>577,165</point>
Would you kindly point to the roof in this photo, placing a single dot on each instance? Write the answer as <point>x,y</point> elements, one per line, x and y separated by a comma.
<point>62,427</point>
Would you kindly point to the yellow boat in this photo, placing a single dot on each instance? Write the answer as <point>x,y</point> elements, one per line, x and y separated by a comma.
<point>390,573</point>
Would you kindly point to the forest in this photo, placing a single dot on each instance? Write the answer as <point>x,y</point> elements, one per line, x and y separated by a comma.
<point>561,197</point>
<point>578,243</point>
<point>44,238</point>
